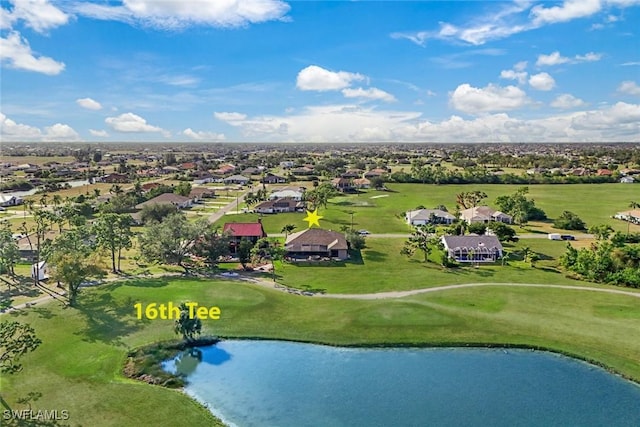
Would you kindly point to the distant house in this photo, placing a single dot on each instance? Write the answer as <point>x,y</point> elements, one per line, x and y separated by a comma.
<point>199,193</point>
<point>10,200</point>
<point>287,164</point>
<point>288,193</point>
<point>274,179</point>
<point>316,243</point>
<point>304,170</point>
<point>374,173</point>
<point>115,178</point>
<point>352,173</point>
<point>633,216</point>
<point>253,231</point>
<point>181,202</point>
<point>361,183</point>
<point>225,169</point>
<point>237,179</point>
<point>627,180</point>
<point>148,186</point>
<point>604,172</point>
<point>251,171</point>
<point>280,206</point>
<point>484,214</point>
<point>342,184</point>
<point>472,248</point>
<point>428,216</point>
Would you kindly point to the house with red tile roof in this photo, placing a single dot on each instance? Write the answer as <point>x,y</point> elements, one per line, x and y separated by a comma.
<point>252,231</point>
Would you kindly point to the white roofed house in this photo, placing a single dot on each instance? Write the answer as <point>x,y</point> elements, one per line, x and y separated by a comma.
<point>288,193</point>
<point>428,216</point>
<point>484,214</point>
<point>10,200</point>
<point>474,249</point>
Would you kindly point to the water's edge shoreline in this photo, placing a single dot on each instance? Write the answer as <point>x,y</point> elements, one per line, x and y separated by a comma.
<point>164,350</point>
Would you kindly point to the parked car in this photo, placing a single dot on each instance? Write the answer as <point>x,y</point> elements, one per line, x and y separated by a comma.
<point>363,232</point>
<point>554,236</point>
<point>567,237</point>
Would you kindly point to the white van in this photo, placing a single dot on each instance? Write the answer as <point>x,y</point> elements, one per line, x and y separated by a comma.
<point>554,236</point>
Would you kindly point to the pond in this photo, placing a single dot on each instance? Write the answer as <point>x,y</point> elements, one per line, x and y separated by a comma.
<point>275,383</point>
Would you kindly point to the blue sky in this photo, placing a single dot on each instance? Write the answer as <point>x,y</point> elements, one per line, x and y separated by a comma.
<point>316,71</point>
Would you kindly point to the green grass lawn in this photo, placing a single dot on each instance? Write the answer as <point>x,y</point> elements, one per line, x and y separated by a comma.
<point>594,203</point>
<point>382,268</point>
<point>78,366</point>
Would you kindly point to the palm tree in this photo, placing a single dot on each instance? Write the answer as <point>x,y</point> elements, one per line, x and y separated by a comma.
<point>287,229</point>
<point>526,253</point>
<point>632,205</point>
<point>43,200</point>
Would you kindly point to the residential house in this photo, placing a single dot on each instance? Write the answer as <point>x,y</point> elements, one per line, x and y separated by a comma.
<point>472,248</point>
<point>627,180</point>
<point>280,206</point>
<point>148,186</point>
<point>237,179</point>
<point>316,243</point>
<point>342,184</point>
<point>361,183</point>
<point>304,170</point>
<point>225,169</point>
<point>10,200</point>
<point>295,193</point>
<point>352,173</point>
<point>484,214</point>
<point>253,231</point>
<point>274,179</point>
<point>114,178</point>
<point>251,171</point>
<point>199,193</point>
<point>374,173</point>
<point>181,202</point>
<point>287,164</point>
<point>428,216</point>
<point>604,172</point>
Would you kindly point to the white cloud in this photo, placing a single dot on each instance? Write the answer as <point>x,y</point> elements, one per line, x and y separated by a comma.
<point>589,57</point>
<point>569,10</point>
<point>370,93</point>
<point>203,136</point>
<point>542,81</point>
<point>629,87</point>
<point>60,132</point>
<point>474,100</point>
<point>173,14</point>
<point>12,131</point>
<point>552,59</point>
<point>101,133</point>
<point>520,66</point>
<point>567,101</point>
<point>352,123</point>
<point>89,104</point>
<point>15,52</point>
<point>40,15</point>
<point>230,117</point>
<point>520,76</point>
<point>555,59</point>
<point>320,79</point>
<point>129,123</point>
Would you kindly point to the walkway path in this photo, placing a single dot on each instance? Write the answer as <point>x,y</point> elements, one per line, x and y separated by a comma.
<point>411,292</point>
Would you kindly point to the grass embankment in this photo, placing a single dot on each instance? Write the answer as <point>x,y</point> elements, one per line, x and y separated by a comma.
<point>378,211</point>
<point>84,349</point>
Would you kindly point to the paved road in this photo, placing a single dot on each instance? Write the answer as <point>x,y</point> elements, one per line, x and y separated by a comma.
<point>227,208</point>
